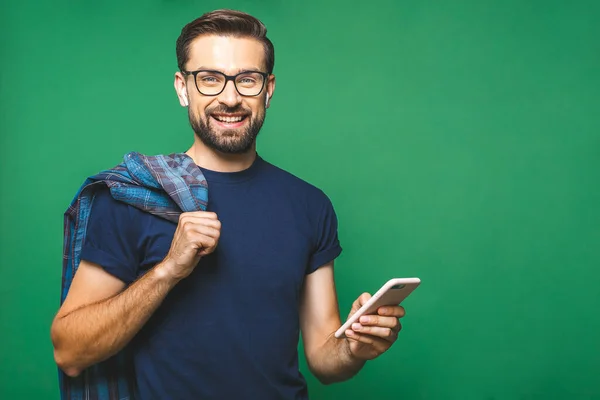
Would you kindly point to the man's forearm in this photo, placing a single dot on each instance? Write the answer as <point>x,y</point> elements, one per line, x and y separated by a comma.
<point>97,331</point>
<point>333,362</point>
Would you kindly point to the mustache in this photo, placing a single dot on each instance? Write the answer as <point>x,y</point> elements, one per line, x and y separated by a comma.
<point>223,109</point>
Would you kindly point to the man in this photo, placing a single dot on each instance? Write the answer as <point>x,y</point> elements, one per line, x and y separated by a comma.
<point>212,306</point>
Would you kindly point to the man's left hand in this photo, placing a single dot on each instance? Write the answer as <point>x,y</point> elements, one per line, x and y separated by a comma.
<point>374,333</point>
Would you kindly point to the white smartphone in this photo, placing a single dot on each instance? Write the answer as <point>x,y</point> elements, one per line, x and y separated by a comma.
<point>392,293</point>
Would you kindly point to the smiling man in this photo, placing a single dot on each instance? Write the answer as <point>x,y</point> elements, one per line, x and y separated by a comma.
<point>212,306</point>
<point>230,124</point>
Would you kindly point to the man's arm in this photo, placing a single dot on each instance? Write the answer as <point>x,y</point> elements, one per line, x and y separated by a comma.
<point>331,359</point>
<point>99,317</point>
<point>328,358</point>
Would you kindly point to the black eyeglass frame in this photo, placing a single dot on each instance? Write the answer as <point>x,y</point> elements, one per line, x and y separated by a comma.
<point>228,78</point>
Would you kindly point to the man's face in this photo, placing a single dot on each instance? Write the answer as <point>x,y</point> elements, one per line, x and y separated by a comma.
<point>228,122</point>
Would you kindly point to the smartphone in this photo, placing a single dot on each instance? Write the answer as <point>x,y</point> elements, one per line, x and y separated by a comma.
<point>392,293</point>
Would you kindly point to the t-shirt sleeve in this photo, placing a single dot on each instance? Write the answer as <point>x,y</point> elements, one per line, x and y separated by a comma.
<point>327,246</point>
<point>110,239</point>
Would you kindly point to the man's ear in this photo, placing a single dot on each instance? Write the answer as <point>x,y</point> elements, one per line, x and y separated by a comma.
<point>270,90</point>
<point>181,89</point>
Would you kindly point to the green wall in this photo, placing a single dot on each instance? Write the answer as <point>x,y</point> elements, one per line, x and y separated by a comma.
<point>458,140</point>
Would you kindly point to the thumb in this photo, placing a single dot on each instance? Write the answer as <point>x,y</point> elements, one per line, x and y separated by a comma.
<point>358,303</point>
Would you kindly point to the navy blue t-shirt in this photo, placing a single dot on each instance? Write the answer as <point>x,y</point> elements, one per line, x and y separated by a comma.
<point>230,330</point>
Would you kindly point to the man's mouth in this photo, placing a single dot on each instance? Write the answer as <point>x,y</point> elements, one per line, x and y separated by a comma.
<point>230,121</point>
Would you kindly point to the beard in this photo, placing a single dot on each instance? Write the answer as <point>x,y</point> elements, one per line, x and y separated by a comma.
<point>228,141</point>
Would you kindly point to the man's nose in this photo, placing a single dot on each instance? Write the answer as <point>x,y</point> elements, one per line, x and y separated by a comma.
<point>230,96</point>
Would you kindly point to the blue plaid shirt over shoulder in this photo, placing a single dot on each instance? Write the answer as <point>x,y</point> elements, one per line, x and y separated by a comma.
<point>163,185</point>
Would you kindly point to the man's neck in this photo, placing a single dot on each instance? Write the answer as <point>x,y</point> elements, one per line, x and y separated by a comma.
<point>213,160</point>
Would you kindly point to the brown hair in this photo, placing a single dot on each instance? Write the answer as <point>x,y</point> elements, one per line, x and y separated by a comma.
<point>226,23</point>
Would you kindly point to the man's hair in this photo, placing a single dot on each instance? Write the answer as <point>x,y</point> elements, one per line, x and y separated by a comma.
<point>224,23</point>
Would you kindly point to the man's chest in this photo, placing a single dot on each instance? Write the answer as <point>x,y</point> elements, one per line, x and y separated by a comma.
<point>259,244</point>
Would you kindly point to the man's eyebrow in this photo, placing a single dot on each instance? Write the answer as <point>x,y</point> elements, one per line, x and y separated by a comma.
<point>237,71</point>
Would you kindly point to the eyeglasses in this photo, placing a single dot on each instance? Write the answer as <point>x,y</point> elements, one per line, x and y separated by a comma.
<point>212,83</point>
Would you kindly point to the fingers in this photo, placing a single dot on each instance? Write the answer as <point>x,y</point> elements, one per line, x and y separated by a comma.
<point>196,236</point>
<point>389,334</point>
<point>381,326</point>
<point>200,214</point>
<point>207,244</point>
<point>207,230</point>
<point>204,241</point>
<point>386,328</point>
<point>377,343</point>
<point>197,230</point>
<point>363,298</point>
<point>205,223</point>
<point>392,311</point>
<point>373,334</point>
<point>358,303</point>
<point>200,218</point>
<point>377,320</point>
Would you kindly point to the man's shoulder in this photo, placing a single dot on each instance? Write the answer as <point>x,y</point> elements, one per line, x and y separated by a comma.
<point>292,182</point>
<point>103,202</point>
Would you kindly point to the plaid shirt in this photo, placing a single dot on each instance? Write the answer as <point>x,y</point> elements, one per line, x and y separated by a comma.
<point>163,185</point>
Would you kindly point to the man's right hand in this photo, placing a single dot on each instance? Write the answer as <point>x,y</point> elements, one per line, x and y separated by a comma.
<point>196,236</point>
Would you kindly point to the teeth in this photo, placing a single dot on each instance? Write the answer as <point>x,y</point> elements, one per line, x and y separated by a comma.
<point>228,120</point>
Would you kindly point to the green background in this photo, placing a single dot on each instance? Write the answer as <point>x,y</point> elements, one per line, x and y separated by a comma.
<point>458,140</point>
